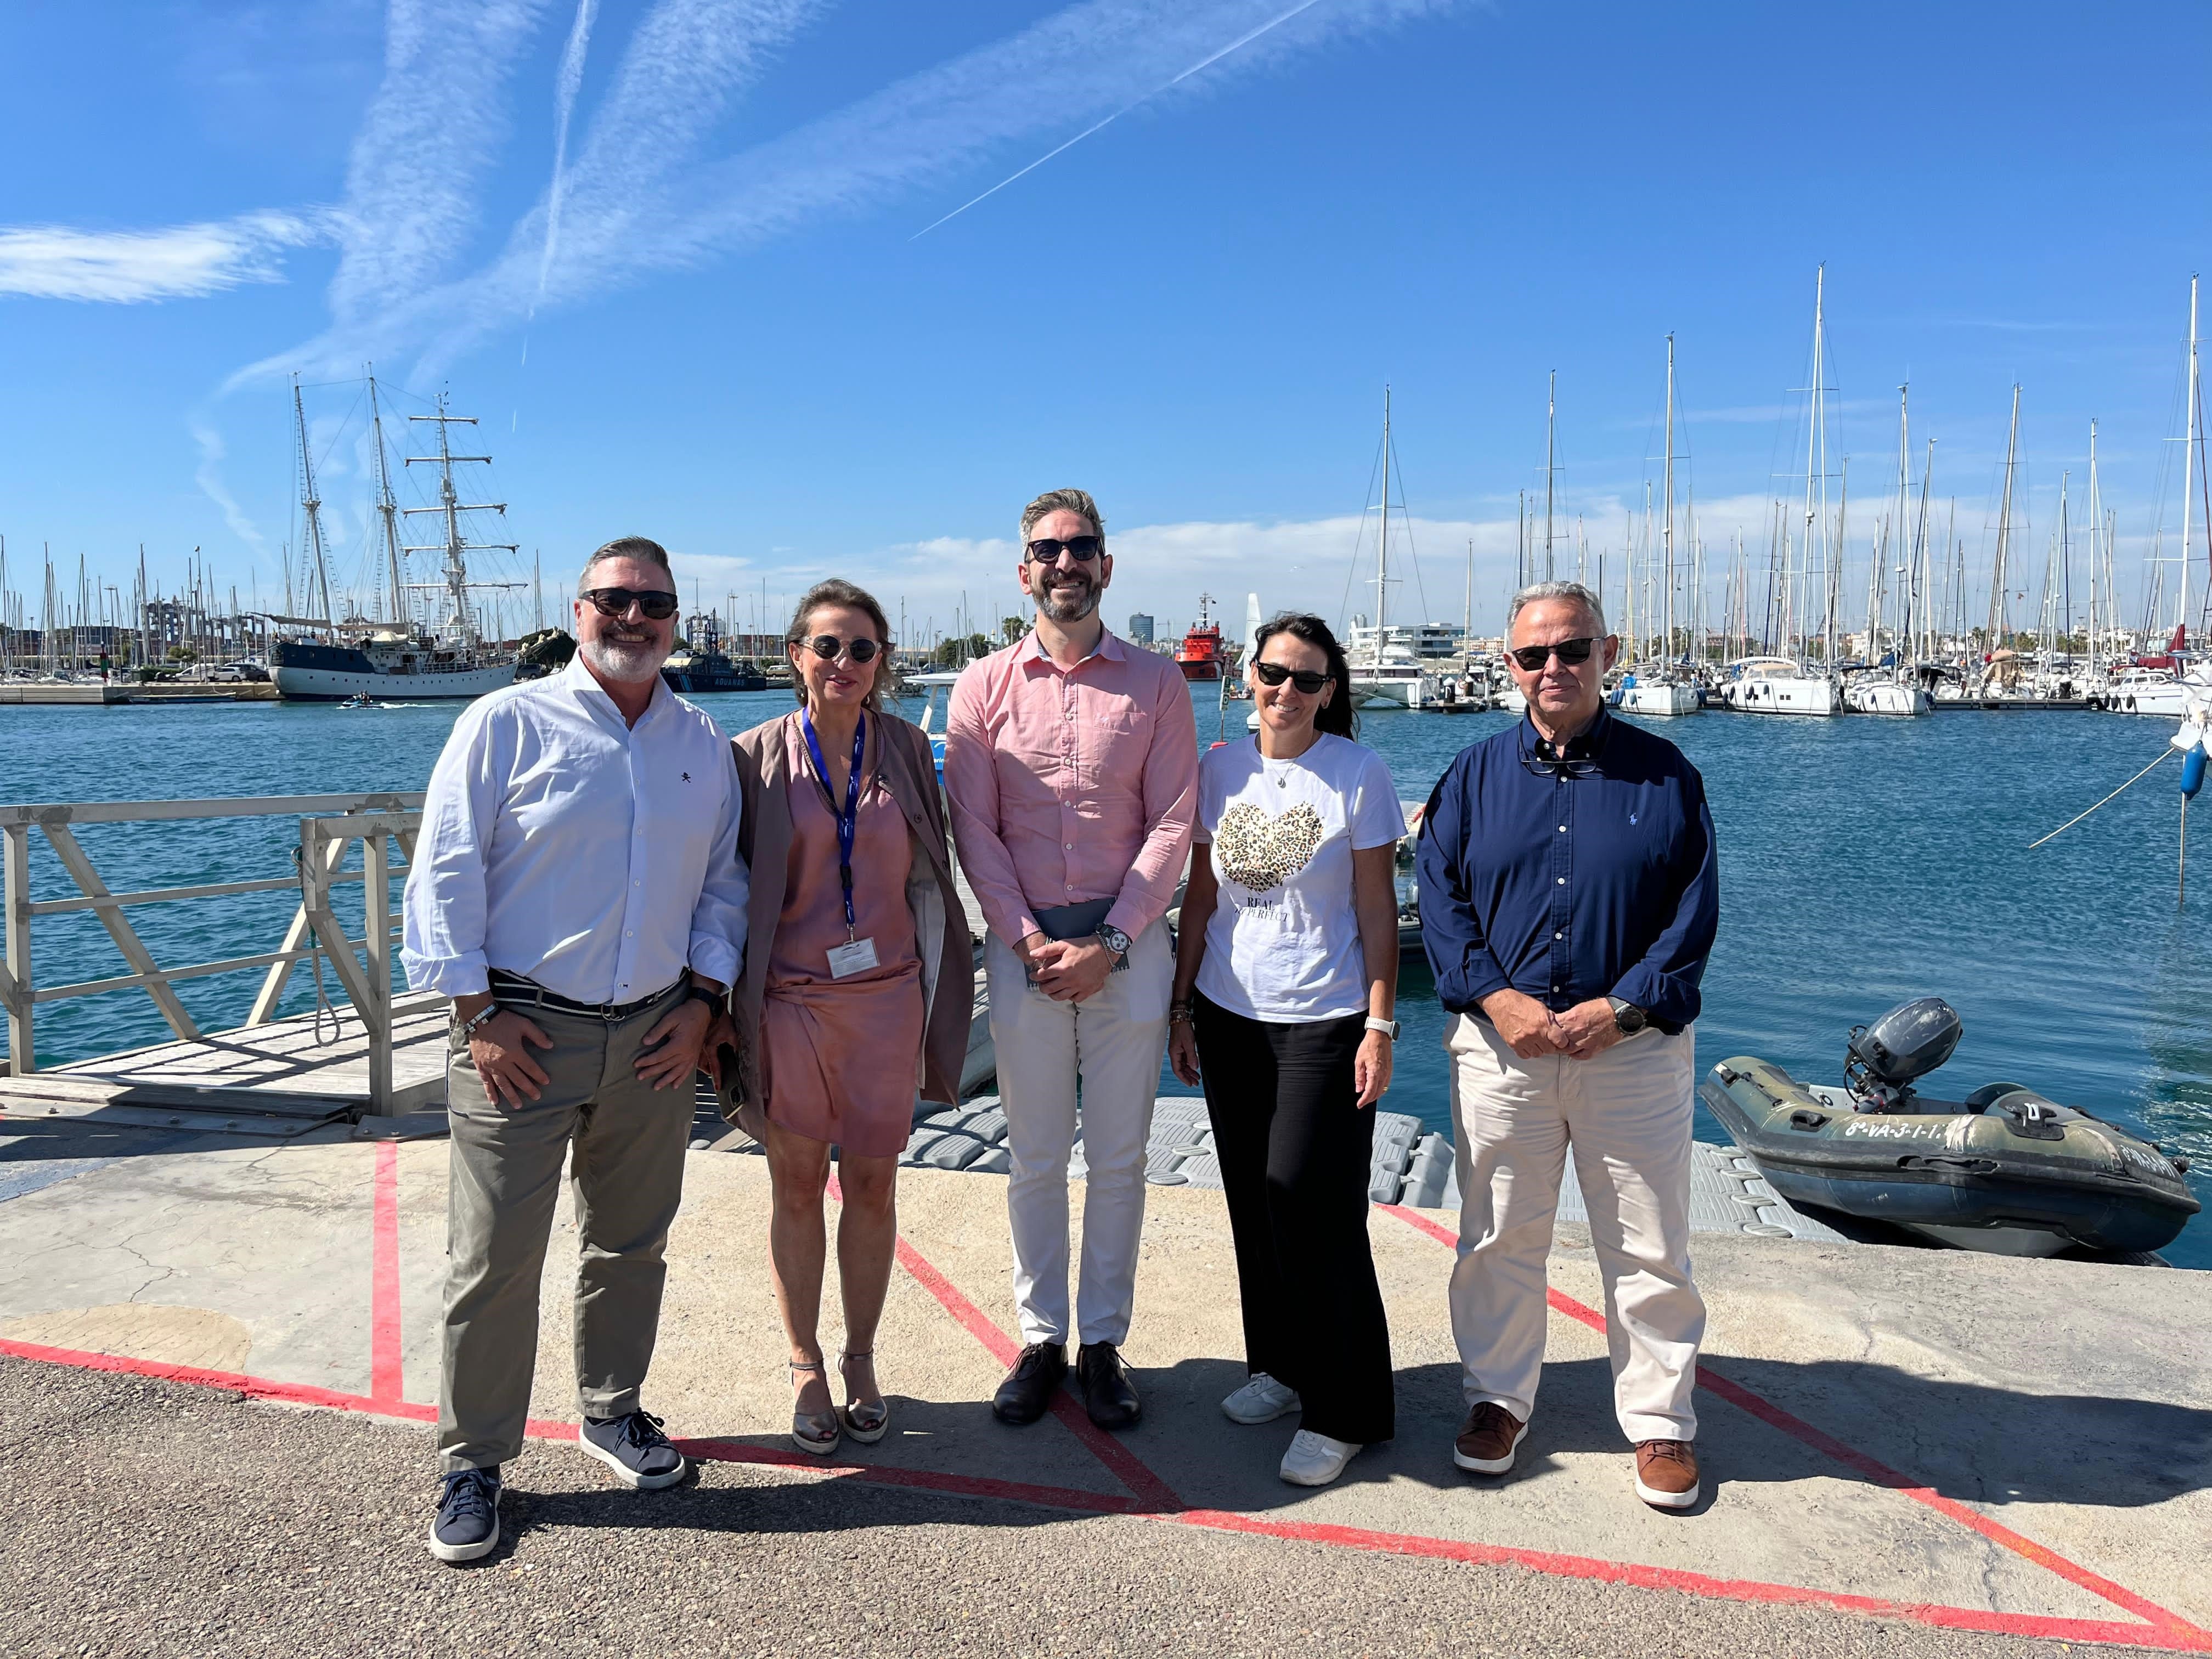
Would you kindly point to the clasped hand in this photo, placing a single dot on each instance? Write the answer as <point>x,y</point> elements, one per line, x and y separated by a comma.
<point>1532,1030</point>
<point>1067,969</point>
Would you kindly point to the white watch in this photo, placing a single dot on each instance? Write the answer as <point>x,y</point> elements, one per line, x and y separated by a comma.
<point>1389,1028</point>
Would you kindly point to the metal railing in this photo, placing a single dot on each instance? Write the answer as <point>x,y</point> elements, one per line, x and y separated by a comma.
<point>329,825</point>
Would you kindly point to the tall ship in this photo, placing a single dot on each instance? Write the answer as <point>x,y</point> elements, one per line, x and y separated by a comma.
<point>1200,655</point>
<point>398,656</point>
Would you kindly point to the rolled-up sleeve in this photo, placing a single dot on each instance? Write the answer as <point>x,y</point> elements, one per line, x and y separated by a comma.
<point>971,784</point>
<point>443,912</point>
<point>718,920</point>
<point>1467,970</point>
<point>1664,982</point>
<point>1170,787</point>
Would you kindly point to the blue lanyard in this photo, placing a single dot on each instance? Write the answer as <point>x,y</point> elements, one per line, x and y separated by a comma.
<point>849,821</point>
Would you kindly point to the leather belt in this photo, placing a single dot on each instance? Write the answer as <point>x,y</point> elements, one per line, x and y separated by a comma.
<point>513,990</point>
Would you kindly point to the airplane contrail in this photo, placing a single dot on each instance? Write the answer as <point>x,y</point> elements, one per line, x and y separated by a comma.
<point>1244,39</point>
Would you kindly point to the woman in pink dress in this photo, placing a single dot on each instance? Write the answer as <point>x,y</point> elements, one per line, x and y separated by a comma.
<point>857,989</point>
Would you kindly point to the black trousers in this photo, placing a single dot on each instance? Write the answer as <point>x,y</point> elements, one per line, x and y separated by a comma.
<point>1294,1156</point>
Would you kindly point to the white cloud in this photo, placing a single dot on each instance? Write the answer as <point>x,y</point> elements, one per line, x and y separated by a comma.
<point>54,262</point>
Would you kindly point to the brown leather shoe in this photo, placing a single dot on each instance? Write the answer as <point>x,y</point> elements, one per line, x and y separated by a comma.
<point>1487,1438</point>
<point>1667,1473</point>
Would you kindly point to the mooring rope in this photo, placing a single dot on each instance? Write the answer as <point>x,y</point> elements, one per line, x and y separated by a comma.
<point>2078,817</point>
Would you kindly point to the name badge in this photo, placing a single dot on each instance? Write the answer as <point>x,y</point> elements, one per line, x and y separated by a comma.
<point>857,958</point>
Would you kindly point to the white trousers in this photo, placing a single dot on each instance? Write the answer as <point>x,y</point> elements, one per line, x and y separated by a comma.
<point>1626,1112</point>
<point>1113,1043</point>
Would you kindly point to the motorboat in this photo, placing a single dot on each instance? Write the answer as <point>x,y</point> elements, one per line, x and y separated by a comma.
<point>2005,1171</point>
<point>1655,692</point>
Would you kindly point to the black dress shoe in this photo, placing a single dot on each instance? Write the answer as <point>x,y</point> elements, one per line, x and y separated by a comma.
<point>1108,1394</point>
<point>1026,1394</point>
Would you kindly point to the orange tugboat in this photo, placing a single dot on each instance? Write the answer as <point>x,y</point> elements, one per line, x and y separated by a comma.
<point>1198,656</point>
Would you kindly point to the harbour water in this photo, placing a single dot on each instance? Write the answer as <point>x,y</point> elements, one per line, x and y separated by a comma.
<point>1863,861</point>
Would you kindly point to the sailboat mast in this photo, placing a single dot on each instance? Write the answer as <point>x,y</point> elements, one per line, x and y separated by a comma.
<point>1551,417</point>
<point>2096,551</point>
<point>390,512</point>
<point>1382,541</point>
<point>1667,529</point>
<point>1993,639</point>
<point>312,504</point>
<point>2189,452</point>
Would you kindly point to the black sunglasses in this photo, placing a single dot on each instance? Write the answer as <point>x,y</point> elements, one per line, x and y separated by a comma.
<point>1274,673</point>
<point>1045,551</point>
<point>1533,657</point>
<point>616,602</point>
<point>829,646</point>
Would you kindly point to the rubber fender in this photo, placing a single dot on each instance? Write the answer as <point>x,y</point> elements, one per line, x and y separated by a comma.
<point>2192,773</point>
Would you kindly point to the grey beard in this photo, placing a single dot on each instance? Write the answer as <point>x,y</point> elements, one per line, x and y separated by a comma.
<point>1056,603</point>
<point>620,661</point>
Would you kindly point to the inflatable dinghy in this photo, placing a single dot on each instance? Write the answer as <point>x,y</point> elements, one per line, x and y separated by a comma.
<point>2003,1170</point>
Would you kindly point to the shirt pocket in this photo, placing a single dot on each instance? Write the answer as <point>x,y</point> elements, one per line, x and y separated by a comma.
<point>1115,737</point>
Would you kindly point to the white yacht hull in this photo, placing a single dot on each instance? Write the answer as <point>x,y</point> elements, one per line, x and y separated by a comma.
<point>2169,700</point>
<point>1887,697</point>
<point>1661,697</point>
<point>331,684</point>
<point>1815,697</point>
<point>1388,690</point>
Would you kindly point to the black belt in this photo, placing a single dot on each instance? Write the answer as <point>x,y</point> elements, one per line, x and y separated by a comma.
<point>511,990</point>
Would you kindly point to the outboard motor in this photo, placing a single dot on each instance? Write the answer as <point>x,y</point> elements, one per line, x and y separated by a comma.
<point>1909,1042</point>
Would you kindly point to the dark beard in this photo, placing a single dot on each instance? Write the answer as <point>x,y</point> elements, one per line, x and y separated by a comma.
<point>1058,604</point>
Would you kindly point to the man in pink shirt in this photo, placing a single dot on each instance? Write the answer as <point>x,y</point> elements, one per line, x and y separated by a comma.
<point>1071,763</point>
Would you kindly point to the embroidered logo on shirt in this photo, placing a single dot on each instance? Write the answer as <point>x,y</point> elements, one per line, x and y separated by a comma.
<point>687,778</point>
<point>1259,853</point>
<point>1632,817</point>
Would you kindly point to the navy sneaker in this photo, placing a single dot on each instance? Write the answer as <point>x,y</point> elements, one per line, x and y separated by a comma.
<point>635,1450</point>
<point>467,1527</point>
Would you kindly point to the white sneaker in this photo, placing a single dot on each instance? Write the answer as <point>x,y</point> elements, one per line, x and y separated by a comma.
<point>1260,1400</point>
<point>1315,1460</point>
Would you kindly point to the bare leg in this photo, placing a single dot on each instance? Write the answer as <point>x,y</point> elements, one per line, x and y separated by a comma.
<point>867,1242</point>
<point>798,1169</point>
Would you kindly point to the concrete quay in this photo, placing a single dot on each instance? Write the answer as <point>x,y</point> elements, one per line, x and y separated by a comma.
<point>216,1358</point>
<point>74,695</point>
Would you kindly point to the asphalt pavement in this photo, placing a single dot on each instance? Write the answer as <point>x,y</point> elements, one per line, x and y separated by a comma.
<point>149,1517</point>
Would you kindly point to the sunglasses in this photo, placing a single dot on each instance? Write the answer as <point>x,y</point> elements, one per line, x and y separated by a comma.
<point>1571,652</point>
<point>1274,673</point>
<point>616,602</point>
<point>1084,548</point>
<point>829,647</point>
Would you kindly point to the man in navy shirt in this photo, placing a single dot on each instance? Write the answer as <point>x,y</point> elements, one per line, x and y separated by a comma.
<point>1567,902</point>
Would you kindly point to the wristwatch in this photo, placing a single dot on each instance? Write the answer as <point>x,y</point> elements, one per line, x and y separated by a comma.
<point>718,1001</point>
<point>1627,1017</point>
<point>1115,939</point>
<point>1389,1028</point>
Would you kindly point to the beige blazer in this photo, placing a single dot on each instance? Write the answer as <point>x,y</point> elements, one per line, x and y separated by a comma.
<point>906,772</point>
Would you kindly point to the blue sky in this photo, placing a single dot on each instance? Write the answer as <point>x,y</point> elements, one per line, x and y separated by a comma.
<point>740,344</point>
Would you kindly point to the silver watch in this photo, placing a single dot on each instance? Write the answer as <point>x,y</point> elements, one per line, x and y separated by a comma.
<point>1113,938</point>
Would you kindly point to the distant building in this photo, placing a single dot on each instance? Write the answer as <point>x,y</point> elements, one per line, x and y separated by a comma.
<point>1140,629</point>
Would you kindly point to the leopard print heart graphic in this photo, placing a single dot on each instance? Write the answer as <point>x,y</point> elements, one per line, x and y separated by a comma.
<point>1258,852</point>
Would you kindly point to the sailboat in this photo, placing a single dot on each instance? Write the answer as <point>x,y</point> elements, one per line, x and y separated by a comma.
<point>396,659</point>
<point>1387,674</point>
<point>1791,685</point>
<point>1662,687</point>
<point>1890,687</point>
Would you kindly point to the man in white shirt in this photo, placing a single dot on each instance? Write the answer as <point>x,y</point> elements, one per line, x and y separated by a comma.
<point>576,890</point>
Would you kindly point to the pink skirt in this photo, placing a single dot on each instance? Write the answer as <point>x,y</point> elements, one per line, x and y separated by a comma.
<point>839,1059</point>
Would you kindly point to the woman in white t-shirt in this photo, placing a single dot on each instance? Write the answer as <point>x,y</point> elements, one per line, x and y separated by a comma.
<point>1286,974</point>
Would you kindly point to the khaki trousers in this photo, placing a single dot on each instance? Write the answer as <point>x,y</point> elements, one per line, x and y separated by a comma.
<point>1112,1043</point>
<point>1626,1112</point>
<point>623,1142</point>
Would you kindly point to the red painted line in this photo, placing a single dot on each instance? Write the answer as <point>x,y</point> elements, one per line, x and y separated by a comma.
<point>1125,1466</point>
<point>2168,1627</point>
<point>385,1381</point>
<point>2172,1633</point>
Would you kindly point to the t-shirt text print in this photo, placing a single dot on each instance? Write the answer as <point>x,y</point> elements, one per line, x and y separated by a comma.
<point>1283,943</point>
